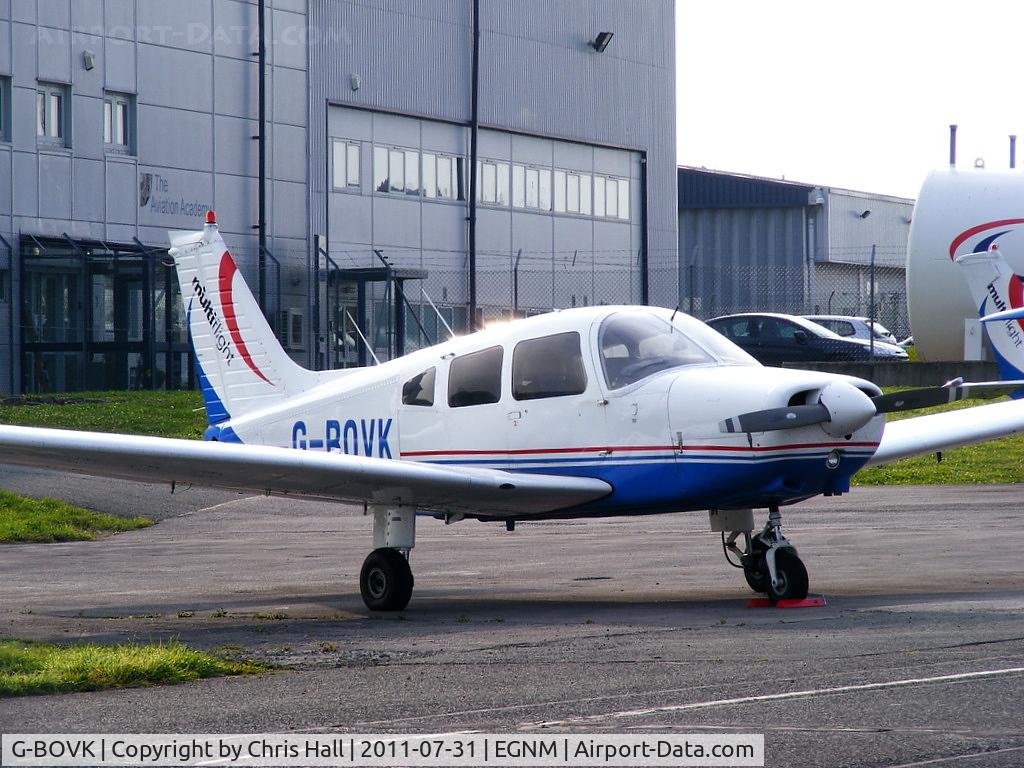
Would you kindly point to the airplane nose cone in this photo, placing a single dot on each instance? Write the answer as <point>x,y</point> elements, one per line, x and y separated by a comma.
<point>848,407</point>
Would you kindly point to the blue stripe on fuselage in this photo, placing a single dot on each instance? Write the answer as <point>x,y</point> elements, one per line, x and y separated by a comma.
<point>664,484</point>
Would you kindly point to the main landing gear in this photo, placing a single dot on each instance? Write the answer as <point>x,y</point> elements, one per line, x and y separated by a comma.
<point>769,561</point>
<point>385,580</point>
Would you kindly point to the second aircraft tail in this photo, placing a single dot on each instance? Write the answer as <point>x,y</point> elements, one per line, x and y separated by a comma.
<point>998,291</point>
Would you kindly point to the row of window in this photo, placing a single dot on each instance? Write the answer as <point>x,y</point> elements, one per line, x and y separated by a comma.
<point>53,117</point>
<point>633,346</point>
<point>442,177</point>
<point>551,366</point>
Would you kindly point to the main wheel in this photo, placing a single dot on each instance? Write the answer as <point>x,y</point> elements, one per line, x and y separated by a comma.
<point>792,577</point>
<point>385,580</point>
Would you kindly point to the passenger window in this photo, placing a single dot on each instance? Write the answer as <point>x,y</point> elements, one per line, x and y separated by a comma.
<point>475,379</point>
<point>548,367</point>
<point>419,390</point>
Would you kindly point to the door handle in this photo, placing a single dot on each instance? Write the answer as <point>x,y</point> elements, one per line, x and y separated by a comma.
<point>513,415</point>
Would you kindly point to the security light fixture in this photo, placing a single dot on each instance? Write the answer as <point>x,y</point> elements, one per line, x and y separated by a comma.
<point>602,40</point>
<point>88,60</point>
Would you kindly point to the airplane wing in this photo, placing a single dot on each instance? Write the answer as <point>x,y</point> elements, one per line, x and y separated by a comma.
<point>299,473</point>
<point>940,431</point>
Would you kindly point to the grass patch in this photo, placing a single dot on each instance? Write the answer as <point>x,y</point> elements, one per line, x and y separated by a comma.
<point>40,520</point>
<point>997,461</point>
<point>32,668</point>
<point>160,414</point>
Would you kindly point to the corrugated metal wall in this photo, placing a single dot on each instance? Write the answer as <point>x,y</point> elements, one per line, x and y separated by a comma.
<point>742,259</point>
<point>419,64</point>
<point>851,235</point>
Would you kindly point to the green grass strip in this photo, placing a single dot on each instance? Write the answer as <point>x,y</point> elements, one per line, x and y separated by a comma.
<point>162,414</point>
<point>32,668</point>
<point>39,520</point>
<point>997,461</point>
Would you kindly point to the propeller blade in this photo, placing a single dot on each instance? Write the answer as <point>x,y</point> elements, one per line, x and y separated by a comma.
<point>929,397</point>
<point>776,418</point>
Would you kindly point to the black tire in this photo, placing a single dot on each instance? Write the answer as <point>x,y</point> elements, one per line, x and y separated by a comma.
<point>755,571</point>
<point>792,577</point>
<point>385,580</point>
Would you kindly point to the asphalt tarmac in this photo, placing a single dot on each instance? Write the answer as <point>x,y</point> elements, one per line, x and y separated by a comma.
<point>624,625</point>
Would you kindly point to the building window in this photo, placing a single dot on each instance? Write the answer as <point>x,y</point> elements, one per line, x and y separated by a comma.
<point>118,122</point>
<point>345,165</point>
<point>532,188</point>
<point>573,192</point>
<point>443,177</point>
<point>611,197</point>
<point>51,114</point>
<point>396,170</point>
<point>492,182</point>
<point>5,109</point>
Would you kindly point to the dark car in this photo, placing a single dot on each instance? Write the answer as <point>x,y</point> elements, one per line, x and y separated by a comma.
<point>775,339</point>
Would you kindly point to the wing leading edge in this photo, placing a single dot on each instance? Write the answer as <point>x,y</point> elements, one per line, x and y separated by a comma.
<point>290,472</point>
<point>939,431</point>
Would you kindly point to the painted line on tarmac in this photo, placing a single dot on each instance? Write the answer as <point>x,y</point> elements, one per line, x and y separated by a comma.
<point>779,696</point>
<point>953,758</point>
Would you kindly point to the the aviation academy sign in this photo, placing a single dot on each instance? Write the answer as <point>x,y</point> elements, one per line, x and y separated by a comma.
<point>158,199</point>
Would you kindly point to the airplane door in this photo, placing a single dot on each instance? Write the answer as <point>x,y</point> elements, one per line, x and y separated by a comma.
<point>556,408</point>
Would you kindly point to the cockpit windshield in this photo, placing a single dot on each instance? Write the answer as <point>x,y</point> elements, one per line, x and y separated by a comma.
<point>635,345</point>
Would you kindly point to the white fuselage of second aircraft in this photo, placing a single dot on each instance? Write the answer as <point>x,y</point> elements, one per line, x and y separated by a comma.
<point>633,396</point>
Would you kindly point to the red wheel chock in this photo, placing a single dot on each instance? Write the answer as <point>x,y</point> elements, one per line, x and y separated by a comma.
<point>807,602</point>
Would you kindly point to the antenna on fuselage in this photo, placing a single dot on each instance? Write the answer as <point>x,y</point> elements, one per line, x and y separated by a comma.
<point>671,325</point>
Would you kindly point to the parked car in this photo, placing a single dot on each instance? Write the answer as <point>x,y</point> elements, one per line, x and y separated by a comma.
<point>856,327</point>
<point>775,339</point>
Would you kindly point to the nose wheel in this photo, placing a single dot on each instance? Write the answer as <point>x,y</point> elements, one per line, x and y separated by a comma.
<point>769,561</point>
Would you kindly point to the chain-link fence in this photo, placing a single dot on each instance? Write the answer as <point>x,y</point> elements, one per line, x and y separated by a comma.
<point>508,284</point>
<point>822,288</point>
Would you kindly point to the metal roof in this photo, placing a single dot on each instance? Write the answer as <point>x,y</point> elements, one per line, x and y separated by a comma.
<point>701,188</point>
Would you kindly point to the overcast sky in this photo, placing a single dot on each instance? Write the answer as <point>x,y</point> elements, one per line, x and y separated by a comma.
<point>848,94</point>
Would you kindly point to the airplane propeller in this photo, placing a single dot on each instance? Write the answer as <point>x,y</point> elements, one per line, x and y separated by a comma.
<point>843,409</point>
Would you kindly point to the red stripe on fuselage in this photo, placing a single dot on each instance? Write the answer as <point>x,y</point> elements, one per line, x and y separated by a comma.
<point>227,301</point>
<point>627,448</point>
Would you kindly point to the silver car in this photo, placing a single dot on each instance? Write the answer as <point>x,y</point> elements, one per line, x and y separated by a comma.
<point>854,327</point>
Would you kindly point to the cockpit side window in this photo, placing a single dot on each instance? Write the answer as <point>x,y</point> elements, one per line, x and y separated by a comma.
<point>551,366</point>
<point>419,390</point>
<point>475,379</point>
<point>635,345</point>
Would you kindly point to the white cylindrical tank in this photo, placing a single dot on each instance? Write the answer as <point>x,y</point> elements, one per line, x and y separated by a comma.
<point>958,212</point>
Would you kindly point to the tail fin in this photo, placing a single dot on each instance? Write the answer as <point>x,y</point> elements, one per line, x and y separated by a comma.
<point>241,366</point>
<point>997,290</point>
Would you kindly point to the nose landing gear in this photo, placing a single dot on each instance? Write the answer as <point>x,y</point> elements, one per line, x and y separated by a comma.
<point>769,561</point>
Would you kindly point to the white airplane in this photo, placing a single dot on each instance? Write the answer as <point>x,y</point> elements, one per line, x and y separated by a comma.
<point>589,412</point>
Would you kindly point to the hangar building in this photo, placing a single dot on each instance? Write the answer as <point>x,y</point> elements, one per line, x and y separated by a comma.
<point>480,155</point>
<point>748,243</point>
